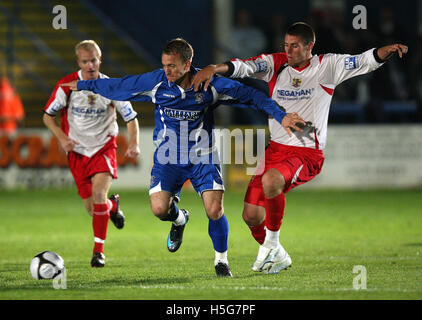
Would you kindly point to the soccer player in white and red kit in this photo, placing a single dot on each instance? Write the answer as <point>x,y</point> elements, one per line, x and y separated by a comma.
<point>88,135</point>
<point>302,83</point>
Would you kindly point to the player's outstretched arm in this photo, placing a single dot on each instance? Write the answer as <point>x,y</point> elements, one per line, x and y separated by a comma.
<point>242,96</point>
<point>384,53</point>
<point>129,88</point>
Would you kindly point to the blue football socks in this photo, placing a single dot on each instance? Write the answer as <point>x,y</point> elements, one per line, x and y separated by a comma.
<point>219,233</point>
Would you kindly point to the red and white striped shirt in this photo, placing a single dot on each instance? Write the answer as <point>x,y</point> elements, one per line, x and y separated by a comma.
<point>86,117</point>
<point>307,91</point>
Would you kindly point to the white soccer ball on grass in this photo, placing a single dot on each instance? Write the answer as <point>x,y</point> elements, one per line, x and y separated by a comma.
<point>47,265</point>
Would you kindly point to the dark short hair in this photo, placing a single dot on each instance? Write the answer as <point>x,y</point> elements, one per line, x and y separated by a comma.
<point>302,30</point>
<point>180,46</point>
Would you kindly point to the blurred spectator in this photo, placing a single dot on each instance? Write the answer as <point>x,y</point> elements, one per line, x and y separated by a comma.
<point>333,37</point>
<point>336,23</point>
<point>389,30</point>
<point>275,32</point>
<point>391,82</point>
<point>246,40</point>
<point>355,89</point>
<point>11,109</point>
<point>320,20</point>
<point>395,81</point>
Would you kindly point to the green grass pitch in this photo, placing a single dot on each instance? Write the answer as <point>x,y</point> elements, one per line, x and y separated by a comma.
<point>326,233</point>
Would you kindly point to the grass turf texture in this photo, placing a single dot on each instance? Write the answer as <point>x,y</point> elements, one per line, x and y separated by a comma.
<point>326,233</point>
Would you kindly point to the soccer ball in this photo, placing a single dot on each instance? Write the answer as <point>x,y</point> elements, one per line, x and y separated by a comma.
<point>47,265</point>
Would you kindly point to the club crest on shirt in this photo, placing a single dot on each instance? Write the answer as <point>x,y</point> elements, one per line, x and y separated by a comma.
<point>55,107</point>
<point>92,98</point>
<point>351,63</point>
<point>296,82</point>
<point>261,66</point>
<point>199,97</point>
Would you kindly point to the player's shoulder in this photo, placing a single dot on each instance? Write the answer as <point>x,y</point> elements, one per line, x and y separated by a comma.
<point>152,79</point>
<point>279,56</point>
<point>322,61</point>
<point>70,77</point>
<point>325,58</point>
<point>280,59</point>
<point>276,60</point>
<point>157,75</point>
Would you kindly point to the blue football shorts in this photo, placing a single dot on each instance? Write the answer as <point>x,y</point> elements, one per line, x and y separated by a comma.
<point>171,177</point>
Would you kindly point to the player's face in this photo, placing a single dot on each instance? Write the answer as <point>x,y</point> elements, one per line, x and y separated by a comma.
<point>173,66</point>
<point>297,52</point>
<point>89,62</point>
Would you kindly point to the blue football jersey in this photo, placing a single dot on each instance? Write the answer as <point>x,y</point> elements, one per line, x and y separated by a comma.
<point>184,119</point>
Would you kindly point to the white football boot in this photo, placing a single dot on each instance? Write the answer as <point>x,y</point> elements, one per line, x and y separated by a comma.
<point>278,259</point>
<point>262,256</point>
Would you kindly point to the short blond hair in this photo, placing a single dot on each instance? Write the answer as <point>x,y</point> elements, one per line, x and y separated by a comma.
<point>88,45</point>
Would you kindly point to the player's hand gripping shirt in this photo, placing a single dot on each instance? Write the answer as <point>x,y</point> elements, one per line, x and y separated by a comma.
<point>307,91</point>
<point>88,118</point>
<point>184,119</point>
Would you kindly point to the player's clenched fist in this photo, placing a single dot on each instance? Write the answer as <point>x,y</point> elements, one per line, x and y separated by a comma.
<point>132,151</point>
<point>67,144</point>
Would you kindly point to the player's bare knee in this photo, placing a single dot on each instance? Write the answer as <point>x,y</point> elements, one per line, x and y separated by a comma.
<point>160,210</point>
<point>272,183</point>
<point>99,196</point>
<point>252,217</point>
<point>215,211</point>
<point>248,217</point>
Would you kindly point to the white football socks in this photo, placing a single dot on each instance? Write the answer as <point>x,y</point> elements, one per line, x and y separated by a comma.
<point>181,220</point>
<point>271,239</point>
<point>220,257</point>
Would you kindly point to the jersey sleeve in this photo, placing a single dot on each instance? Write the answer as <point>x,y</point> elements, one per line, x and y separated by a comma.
<point>126,110</point>
<point>131,88</point>
<point>336,68</point>
<point>235,93</point>
<point>262,67</point>
<point>58,99</point>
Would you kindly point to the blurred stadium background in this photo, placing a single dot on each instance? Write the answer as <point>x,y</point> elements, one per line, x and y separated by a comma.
<point>376,119</point>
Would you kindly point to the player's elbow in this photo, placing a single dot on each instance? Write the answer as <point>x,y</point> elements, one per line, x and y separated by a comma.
<point>47,119</point>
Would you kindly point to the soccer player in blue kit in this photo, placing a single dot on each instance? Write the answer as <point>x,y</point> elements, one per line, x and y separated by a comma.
<point>183,134</point>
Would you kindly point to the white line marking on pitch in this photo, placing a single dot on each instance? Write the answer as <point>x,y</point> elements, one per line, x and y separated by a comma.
<point>237,288</point>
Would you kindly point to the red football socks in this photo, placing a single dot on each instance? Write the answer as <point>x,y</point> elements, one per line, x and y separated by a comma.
<point>274,212</point>
<point>258,232</point>
<point>113,205</point>
<point>100,224</point>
